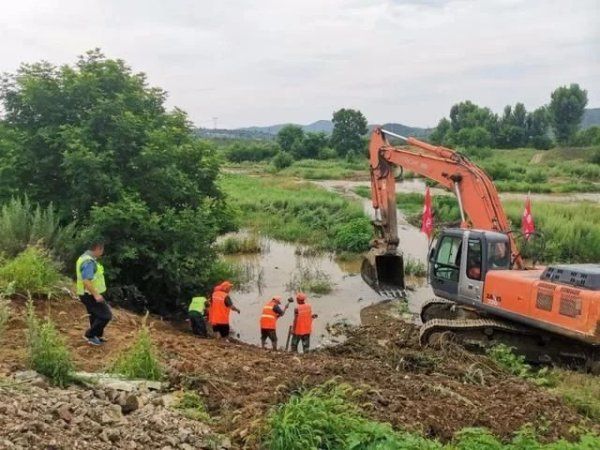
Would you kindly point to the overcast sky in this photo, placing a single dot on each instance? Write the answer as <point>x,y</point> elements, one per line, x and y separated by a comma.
<point>262,62</point>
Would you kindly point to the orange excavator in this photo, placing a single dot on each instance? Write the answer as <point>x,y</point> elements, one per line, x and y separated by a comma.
<point>485,294</point>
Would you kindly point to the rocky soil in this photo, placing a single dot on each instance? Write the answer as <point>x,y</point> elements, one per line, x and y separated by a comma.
<point>34,415</point>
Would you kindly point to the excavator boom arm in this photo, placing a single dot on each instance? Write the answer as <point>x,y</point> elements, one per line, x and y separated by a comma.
<point>477,196</point>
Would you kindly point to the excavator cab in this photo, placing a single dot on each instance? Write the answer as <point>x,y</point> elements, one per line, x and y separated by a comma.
<point>383,271</point>
<point>461,259</point>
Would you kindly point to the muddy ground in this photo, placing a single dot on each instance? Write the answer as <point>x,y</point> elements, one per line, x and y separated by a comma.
<point>434,391</point>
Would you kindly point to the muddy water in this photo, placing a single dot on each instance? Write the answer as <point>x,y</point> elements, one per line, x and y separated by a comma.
<point>271,272</point>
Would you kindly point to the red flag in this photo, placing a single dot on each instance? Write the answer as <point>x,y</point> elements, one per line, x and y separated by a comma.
<point>527,224</point>
<point>427,219</point>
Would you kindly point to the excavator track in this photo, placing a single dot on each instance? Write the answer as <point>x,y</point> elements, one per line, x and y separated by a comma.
<point>480,334</point>
<point>440,308</point>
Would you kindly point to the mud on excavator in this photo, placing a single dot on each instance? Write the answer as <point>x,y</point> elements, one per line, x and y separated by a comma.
<point>485,294</point>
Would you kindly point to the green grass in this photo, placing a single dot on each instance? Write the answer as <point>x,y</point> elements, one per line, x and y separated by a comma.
<point>298,212</point>
<point>140,361</point>
<point>329,417</point>
<point>239,245</point>
<point>191,406</point>
<point>570,230</point>
<point>47,351</point>
<point>33,272</point>
<point>580,390</point>
<point>311,169</point>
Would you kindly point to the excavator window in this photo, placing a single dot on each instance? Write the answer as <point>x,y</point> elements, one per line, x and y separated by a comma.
<point>498,256</point>
<point>447,263</point>
<point>474,259</point>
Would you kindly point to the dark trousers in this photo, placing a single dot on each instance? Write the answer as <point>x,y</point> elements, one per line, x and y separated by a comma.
<point>99,314</point>
<point>305,338</point>
<point>198,323</point>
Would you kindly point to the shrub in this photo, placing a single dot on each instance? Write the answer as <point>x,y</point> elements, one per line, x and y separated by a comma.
<point>47,351</point>
<point>32,271</point>
<point>23,224</point>
<point>4,314</point>
<point>327,153</point>
<point>282,160</point>
<point>191,406</point>
<point>353,236</point>
<point>595,158</point>
<point>140,360</point>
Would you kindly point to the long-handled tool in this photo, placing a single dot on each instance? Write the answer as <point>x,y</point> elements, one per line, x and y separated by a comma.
<point>291,328</point>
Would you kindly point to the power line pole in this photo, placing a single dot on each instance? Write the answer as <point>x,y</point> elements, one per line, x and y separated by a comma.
<point>215,122</point>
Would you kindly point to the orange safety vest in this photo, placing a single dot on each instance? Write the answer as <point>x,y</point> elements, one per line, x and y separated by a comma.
<point>268,319</point>
<point>219,312</point>
<point>303,320</point>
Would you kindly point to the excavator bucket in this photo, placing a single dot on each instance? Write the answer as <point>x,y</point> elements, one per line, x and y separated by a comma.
<point>384,272</point>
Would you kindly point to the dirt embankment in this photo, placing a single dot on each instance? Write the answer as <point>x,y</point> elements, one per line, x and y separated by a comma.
<point>436,392</point>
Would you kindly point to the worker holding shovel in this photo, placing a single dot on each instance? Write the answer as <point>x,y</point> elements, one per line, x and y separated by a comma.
<point>302,327</point>
<point>268,320</point>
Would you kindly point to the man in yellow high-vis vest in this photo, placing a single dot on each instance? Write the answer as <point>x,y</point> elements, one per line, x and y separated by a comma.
<point>90,287</point>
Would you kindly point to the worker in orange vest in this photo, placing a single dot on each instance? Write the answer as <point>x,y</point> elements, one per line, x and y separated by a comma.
<point>268,320</point>
<point>220,307</point>
<point>302,327</point>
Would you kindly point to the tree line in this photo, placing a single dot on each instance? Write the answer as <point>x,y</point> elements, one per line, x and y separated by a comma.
<point>470,125</point>
<point>347,140</point>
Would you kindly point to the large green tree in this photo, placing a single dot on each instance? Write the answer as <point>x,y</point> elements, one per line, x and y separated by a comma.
<point>96,141</point>
<point>349,126</point>
<point>566,109</point>
<point>289,136</point>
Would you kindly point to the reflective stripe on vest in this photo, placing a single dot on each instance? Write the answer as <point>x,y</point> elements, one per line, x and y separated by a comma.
<point>303,320</point>
<point>197,304</point>
<point>98,281</point>
<point>219,311</point>
<point>268,319</point>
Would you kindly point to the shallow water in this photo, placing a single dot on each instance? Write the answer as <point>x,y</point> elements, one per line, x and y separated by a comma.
<point>270,274</point>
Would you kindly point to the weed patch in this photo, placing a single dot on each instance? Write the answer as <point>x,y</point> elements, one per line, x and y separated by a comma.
<point>24,224</point>
<point>580,390</point>
<point>239,245</point>
<point>191,406</point>
<point>140,361</point>
<point>4,314</point>
<point>33,271</point>
<point>307,279</point>
<point>47,351</point>
<point>414,267</point>
<point>516,365</point>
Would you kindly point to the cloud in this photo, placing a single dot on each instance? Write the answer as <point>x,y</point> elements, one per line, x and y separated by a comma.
<point>273,61</point>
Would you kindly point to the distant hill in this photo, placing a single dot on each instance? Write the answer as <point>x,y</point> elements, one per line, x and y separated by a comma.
<point>320,126</point>
<point>591,117</point>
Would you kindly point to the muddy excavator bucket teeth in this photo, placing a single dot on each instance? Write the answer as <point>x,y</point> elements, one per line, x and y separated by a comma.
<point>384,272</point>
